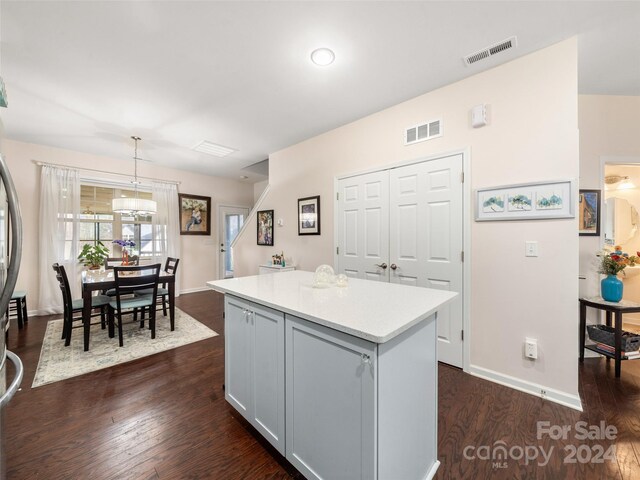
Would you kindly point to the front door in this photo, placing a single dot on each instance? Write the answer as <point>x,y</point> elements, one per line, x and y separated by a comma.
<point>231,220</point>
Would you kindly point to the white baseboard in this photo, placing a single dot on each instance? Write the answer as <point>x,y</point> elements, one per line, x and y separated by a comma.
<point>194,290</point>
<point>563,398</point>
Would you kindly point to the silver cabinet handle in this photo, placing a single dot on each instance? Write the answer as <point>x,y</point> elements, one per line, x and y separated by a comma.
<point>382,265</point>
<point>365,358</point>
<point>393,266</point>
<point>13,388</point>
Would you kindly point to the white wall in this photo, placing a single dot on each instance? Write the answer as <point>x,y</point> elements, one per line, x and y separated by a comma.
<point>258,188</point>
<point>198,258</point>
<point>533,136</point>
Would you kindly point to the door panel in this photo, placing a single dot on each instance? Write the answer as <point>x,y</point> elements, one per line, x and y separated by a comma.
<point>268,375</point>
<point>436,229</point>
<point>363,226</point>
<point>237,361</point>
<point>410,218</point>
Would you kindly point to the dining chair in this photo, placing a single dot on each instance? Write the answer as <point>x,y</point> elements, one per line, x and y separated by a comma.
<point>129,282</point>
<point>170,266</point>
<point>75,306</point>
<point>18,308</point>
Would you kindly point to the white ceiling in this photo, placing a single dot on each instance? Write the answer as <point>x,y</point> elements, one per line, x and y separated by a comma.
<point>87,75</point>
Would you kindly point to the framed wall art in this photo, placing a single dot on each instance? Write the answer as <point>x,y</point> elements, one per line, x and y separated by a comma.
<point>309,215</point>
<point>589,213</point>
<point>195,214</point>
<point>527,201</point>
<point>265,227</point>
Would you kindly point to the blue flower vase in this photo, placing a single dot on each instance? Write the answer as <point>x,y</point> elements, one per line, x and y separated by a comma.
<point>611,288</point>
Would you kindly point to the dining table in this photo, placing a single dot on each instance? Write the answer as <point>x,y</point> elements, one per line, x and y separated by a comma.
<point>102,280</point>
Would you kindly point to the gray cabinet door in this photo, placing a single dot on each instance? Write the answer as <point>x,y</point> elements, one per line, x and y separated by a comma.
<point>267,415</point>
<point>254,366</point>
<point>331,402</point>
<point>237,355</point>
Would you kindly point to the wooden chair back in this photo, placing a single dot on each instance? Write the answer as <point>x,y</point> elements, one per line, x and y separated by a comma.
<point>63,280</point>
<point>132,279</point>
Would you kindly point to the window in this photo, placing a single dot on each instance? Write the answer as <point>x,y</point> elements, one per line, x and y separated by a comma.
<point>97,222</point>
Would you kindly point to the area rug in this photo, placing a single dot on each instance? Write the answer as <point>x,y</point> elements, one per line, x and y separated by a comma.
<point>58,362</point>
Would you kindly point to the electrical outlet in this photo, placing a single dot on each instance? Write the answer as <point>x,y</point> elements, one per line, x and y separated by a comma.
<point>530,249</point>
<point>531,348</point>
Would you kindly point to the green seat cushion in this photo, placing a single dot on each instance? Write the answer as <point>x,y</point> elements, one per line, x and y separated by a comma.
<point>97,301</point>
<point>111,292</point>
<point>149,291</point>
<point>135,302</point>
<point>18,294</point>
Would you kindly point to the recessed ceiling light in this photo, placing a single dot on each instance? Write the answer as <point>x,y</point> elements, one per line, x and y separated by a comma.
<point>211,148</point>
<point>322,57</point>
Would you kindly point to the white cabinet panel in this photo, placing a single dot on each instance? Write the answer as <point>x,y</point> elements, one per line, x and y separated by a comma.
<point>254,366</point>
<point>236,359</point>
<point>331,400</point>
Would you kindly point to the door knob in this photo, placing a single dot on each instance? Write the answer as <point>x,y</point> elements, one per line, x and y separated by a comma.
<point>393,266</point>
<point>382,265</point>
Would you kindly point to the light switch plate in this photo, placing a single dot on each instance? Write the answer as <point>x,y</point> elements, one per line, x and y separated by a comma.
<point>530,249</point>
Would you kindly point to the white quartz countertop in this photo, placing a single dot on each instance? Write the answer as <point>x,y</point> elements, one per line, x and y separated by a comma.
<point>374,311</point>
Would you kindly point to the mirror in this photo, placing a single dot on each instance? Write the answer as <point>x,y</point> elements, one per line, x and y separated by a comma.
<point>621,221</point>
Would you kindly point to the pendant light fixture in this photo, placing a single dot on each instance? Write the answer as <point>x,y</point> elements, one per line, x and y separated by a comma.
<point>134,205</point>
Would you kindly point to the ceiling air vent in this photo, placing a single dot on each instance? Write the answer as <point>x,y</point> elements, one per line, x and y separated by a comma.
<point>422,132</point>
<point>491,50</point>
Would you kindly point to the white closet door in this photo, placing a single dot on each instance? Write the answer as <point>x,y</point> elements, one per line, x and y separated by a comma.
<point>426,239</point>
<point>363,226</point>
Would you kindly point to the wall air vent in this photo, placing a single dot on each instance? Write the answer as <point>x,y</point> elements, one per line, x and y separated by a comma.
<point>423,131</point>
<point>491,50</point>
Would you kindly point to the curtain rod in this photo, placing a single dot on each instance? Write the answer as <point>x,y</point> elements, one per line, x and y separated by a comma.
<point>39,163</point>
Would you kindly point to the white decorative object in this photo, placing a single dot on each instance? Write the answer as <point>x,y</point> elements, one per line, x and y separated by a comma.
<point>342,280</point>
<point>324,277</point>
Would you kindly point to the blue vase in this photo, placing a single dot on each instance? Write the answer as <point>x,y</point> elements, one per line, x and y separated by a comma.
<point>611,288</point>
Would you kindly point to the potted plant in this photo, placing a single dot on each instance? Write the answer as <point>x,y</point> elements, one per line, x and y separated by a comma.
<point>93,256</point>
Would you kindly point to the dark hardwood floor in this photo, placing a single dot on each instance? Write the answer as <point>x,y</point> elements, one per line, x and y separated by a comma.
<point>165,417</point>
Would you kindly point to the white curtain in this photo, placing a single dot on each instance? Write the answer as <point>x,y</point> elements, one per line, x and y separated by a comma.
<point>166,225</point>
<point>58,239</point>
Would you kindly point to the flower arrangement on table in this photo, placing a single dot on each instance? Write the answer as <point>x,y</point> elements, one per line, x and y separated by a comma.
<point>612,263</point>
<point>124,244</point>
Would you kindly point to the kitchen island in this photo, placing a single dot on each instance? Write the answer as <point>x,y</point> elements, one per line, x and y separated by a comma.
<point>341,380</point>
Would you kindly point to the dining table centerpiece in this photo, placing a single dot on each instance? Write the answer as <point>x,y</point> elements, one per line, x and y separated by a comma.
<point>612,263</point>
<point>126,246</point>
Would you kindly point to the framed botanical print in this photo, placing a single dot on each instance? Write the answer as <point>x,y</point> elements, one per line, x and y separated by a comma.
<point>309,216</point>
<point>589,213</point>
<point>195,214</point>
<point>265,227</point>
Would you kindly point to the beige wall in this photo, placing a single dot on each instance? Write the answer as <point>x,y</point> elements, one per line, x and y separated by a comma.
<point>199,259</point>
<point>609,127</point>
<point>532,136</point>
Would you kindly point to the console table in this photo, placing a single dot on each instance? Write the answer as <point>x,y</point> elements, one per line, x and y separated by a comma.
<point>619,308</point>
